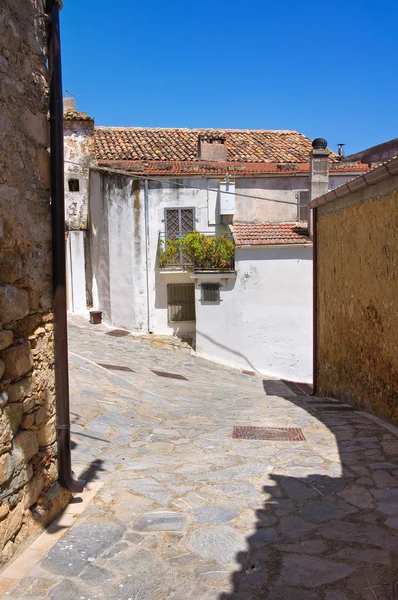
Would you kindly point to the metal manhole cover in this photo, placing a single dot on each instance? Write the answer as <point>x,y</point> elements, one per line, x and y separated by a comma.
<point>278,434</point>
<point>171,375</point>
<point>116,368</point>
<point>118,332</point>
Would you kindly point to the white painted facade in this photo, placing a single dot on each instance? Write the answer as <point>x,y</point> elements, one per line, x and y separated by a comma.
<point>263,322</point>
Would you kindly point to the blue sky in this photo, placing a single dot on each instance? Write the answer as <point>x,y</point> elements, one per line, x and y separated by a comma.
<point>325,69</point>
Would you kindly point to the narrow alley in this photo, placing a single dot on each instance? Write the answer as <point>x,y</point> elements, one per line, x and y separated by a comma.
<point>187,511</point>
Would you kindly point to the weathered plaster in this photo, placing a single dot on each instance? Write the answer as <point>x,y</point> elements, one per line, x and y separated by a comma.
<point>357,298</point>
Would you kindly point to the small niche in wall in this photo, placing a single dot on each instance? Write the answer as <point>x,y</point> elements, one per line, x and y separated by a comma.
<point>210,293</point>
<point>74,185</point>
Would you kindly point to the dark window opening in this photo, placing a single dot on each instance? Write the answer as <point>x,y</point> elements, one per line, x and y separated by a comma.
<point>73,185</point>
<point>210,293</point>
<point>181,302</point>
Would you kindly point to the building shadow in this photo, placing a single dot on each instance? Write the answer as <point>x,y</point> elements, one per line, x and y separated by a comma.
<point>323,536</point>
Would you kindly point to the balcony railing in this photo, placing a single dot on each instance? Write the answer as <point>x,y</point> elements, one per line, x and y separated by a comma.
<point>175,255</point>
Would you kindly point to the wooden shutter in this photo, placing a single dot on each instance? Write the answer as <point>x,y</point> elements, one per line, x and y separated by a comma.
<point>303,210</point>
<point>181,302</point>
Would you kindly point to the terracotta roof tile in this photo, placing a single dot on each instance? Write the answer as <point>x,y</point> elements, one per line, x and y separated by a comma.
<point>135,143</point>
<point>264,234</point>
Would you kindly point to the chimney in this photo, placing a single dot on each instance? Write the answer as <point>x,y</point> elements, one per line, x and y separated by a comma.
<point>319,168</point>
<point>340,149</point>
<point>69,104</point>
<point>212,147</point>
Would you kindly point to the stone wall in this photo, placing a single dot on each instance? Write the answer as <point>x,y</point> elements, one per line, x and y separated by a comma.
<point>29,494</point>
<point>357,304</point>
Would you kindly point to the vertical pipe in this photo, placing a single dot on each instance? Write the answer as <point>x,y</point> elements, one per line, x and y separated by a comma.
<point>58,252</point>
<point>147,255</point>
<point>315,301</point>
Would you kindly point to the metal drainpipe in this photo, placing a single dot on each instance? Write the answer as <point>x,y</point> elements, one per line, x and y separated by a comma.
<point>58,251</point>
<point>147,254</point>
<point>314,301</point>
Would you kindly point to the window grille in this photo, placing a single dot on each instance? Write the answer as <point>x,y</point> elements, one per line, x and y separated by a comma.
<point>179,222</point>
<point>73,185</point>
<point>181,302</point>
<point>210,293</point>
<point>303,210</point>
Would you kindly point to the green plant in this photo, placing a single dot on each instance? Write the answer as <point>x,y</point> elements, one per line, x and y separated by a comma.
<point>200,250</point>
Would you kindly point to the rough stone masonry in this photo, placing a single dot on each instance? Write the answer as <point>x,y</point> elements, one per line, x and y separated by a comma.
<point>29,494</point>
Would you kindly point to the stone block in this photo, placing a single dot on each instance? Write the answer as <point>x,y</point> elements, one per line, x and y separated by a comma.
<point>6,337</point>
<point>4,510</point>
<point>10,525</point>
<point>43,161</point>
<point>5,467</point>
<point>27,421</point>
<point>37,127</point>
<point>14,303</point>
<point>48,434</point>
<point>16,391</point>
<point>5,431</point>
<point>13,412</point>
<point>2,368</point>
<point>11,268</point>
<point>17,359</point>
<point>17,482</point>
<point>32,490</point>
<point>40,416</point>
<point>27,444</point>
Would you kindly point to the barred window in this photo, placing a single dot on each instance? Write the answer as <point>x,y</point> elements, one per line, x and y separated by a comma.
<point>179,222</point>
<point>303,210</point>
<point>181,302</point>
<point>210,293</point>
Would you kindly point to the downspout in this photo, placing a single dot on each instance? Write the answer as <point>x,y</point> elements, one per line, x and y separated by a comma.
<point>58,251</point>
<point>147,255</point>
<point>314,301</point>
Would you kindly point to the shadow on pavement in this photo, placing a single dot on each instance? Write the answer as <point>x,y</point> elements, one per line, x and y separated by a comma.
<point>324,536</point>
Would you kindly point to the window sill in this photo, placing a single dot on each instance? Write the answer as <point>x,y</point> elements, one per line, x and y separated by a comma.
<point>214,276</point>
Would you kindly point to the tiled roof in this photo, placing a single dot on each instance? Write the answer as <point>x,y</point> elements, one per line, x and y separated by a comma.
<point>151,144</point>
<point>264,234</point>
<point>71,114</point>
<point>198,167</point>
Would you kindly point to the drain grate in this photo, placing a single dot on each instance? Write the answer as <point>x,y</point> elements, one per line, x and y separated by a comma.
<point>277,434</point>
<point>116,368</point>
<point>118,332</point>
<point>170,375</point>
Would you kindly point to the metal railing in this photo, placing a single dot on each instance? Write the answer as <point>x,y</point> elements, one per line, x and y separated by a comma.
<point>183,263</point>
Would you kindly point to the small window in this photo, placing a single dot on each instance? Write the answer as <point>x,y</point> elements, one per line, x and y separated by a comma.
<point>181,302</point>
<point>210,293</point>
<point>179,222</point>
<point>73,185</point>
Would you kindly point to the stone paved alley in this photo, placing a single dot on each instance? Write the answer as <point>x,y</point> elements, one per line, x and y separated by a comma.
<point>188,512</point>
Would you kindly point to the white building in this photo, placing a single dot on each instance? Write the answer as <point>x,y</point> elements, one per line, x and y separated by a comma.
<point>139,186</point>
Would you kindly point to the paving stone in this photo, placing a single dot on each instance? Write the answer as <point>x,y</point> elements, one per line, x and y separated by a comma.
<point>161,521</point>
<point>392,522</point>
<point>217,572</point>
<point>384,479</point>
<point>306,547</point>
<point>386,501</point>
<point>263,536</point>
<point>368,556</point>
<point>238,490</point>
<point>346,531</point>
<point>292,526</point>
<point>287,593</point>
<point>149,487</point>
<point>213,514</point>
<point>311,572</point>
<point>219,543</point>
<point>95,576</point>
<point>67,590</point>
<point>327,509</point>
<point>297,490</point>
<point>86,540</point>
<point>382,465</point>
<point>358,496</point>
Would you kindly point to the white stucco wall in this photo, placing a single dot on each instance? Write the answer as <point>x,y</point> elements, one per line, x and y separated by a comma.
<point>77,158</point>
<point>76,276</point>
<point>264,320</point>
<point>117,240</point>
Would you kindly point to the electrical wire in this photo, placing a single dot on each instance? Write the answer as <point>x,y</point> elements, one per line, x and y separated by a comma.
<point>185,185</point>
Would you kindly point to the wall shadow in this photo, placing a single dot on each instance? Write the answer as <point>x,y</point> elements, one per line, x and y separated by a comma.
<point>321,535</point>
